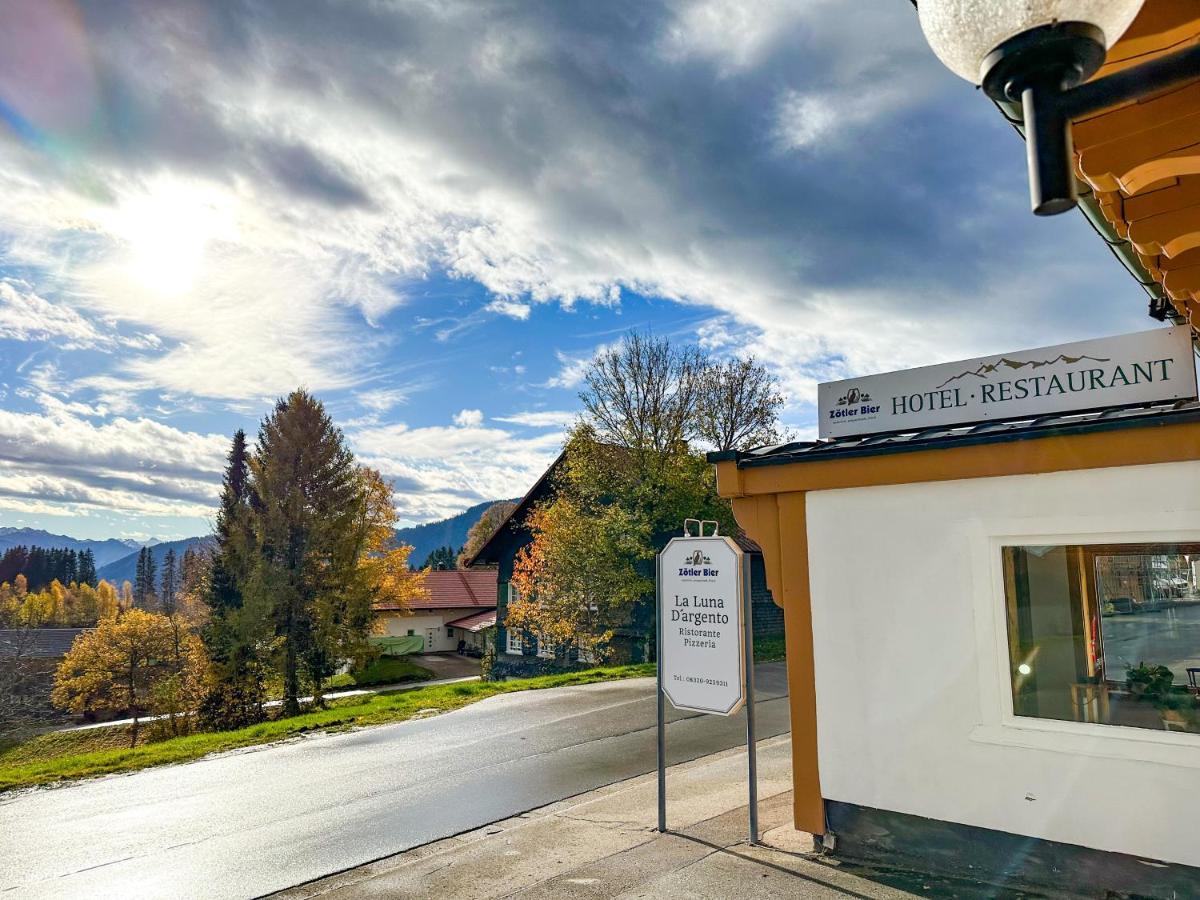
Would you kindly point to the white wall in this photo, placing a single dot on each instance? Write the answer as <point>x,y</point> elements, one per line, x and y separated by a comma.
<point>398,624</point>
<point>914,709</point>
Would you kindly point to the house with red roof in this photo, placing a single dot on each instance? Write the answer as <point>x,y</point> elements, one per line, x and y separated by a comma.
<point>460,605</point>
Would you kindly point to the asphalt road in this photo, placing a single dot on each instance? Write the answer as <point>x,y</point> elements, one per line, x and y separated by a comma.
<point>250,822</point>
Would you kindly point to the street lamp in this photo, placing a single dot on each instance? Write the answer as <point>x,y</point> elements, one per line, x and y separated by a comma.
<point>1039,53</point>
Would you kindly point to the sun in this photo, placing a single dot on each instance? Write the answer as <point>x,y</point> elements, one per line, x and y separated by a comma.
<point>166,232</point>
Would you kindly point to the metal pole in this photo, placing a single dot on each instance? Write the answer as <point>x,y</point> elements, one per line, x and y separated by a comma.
<point>662,712</point>
<point>751,745</point>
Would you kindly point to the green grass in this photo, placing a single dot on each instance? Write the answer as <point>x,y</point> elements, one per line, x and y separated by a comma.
<point>385,670</point>
<point>390,670</point>
<point>768,649</point>
<point>64,755</point>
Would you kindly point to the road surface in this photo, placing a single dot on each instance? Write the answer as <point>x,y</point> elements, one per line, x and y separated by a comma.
<point>250,822</point>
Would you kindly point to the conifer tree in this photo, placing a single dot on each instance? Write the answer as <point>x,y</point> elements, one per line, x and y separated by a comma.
<point>144,594</point>
<point>170,583</point>
<point>236,631</point>
<point>308,497</point>
<point>87,568</point>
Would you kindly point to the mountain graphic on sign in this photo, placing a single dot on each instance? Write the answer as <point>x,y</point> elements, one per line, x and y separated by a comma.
<point>986,369</point>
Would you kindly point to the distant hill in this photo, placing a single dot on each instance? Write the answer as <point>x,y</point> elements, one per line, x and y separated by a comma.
<point>106,551</point>
<point>125,568</point>
<point>450,532</point>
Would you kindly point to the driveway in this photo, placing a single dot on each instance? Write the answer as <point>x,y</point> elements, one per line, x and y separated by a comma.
<point>447,665</point>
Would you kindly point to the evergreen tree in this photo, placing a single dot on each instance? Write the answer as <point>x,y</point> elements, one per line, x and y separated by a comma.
<point>87,568</point>
<point>308,497</point>
<point>143,582</point>
<point>441,558</point>
<point>230,561</point>
<point>170,583</point>
<point>236,631</point>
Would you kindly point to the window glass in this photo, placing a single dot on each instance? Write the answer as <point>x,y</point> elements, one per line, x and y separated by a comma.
<point>1108,634</point>
<point>514,642</point>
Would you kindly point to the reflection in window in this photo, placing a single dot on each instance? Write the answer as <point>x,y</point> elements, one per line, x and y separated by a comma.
<point>1108,634</point>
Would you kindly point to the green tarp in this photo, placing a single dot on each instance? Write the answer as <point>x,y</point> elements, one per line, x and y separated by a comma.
<point>398,646</point>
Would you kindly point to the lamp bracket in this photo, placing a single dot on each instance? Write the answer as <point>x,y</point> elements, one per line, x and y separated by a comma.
<point>1061,55</point>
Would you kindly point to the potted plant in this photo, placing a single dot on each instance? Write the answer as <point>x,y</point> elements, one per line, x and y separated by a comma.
<point>1148,682</point>
<point>1156,684</point>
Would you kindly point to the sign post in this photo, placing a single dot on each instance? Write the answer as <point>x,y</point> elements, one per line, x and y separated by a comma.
<point>705,641</point>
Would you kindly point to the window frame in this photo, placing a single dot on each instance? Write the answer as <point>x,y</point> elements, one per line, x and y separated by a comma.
<point>998,723</point>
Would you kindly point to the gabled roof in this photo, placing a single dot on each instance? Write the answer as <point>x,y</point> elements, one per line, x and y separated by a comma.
<point>38,643</point>
<point>455,588</point>
<point>542,487</point>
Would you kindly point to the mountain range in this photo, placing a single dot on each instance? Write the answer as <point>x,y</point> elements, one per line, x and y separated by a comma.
<point>125,568</point>
<point>451,532</point>
<point>105,551</point>
<point>116,560</point>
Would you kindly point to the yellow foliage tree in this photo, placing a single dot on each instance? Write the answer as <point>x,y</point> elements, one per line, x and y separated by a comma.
<point>382,564</point>
<point>57,605</point>
<point>135,663</point>
<point>578,578</point>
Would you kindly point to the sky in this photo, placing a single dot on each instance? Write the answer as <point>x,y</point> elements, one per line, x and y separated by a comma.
<point>432,214</point>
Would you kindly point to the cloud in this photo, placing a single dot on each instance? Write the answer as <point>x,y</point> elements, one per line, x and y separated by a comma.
<point>513,309</point>
<point>439,471</point>
<point>247,186</point>
<point>26,316</point>
<point>469,418</point>
<point>383,399</point>
<point>574,366</point>
<point>293,169</point>
<point>540,419</point>
<point>131,465</point>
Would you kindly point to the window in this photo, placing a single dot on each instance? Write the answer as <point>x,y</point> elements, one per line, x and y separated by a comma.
<point>1108,634</point>
<point>411,633</point>
<point>544,650</point>
<point>514,642</point>
<point>449,632</point>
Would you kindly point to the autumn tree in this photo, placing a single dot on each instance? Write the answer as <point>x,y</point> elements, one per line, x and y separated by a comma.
<point>123,665</point>
<point>606,520</point>
<point>633,469</point>
<point>314,513</point>
<point>738,405</point>
<point>578,579</point>
<point>483,529</point>
<point>642,394</point>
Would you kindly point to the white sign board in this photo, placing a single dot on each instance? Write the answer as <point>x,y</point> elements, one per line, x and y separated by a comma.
<point>1147,367</point>
<point>702,659</point>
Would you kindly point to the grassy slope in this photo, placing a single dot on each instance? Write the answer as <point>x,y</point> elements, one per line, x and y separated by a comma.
<point>385,670</point>
<point>80,754</point>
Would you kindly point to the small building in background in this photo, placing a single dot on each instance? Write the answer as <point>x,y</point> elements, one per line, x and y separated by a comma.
<point>460,605</point>
<point>28,659</point>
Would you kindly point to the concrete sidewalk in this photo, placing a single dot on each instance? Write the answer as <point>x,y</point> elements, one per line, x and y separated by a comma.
<point>603,844</point>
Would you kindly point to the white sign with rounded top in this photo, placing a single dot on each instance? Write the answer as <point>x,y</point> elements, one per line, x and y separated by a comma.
<point>702,659</point>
